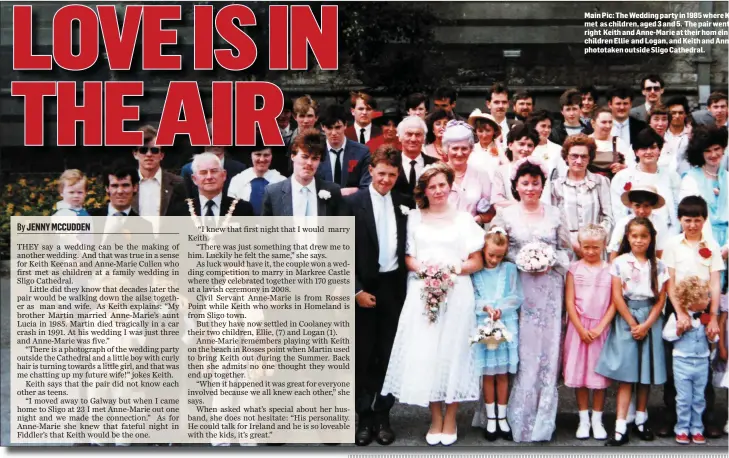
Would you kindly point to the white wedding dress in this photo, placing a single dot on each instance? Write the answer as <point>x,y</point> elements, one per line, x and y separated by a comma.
<point>433,362</point>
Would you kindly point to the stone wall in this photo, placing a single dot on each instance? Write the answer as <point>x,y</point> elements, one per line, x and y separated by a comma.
<point>470,39</point>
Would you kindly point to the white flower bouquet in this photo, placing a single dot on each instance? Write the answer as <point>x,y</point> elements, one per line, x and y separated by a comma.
<point>492,334</point>
<point>535,257</point>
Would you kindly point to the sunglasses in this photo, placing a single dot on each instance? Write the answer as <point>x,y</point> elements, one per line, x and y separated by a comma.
<point>653,88</point>
<point>146,149</point>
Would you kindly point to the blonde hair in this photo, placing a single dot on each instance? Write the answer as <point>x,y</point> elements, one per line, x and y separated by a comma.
<point>592,231</point>
<point>692,290</point>
<point>496,236</point>
<point>70,177</point>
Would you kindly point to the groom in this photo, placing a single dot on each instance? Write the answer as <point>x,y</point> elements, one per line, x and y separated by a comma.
<point>380,283</point>
<point>303,194</point>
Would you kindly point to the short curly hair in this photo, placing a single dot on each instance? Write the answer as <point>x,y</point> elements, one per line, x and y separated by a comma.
<point>704,137</point>
<point>527,168</point>
<point>309,141</point>
<point>434,169</point>
<point>692,290</point>
<point>579,140</point>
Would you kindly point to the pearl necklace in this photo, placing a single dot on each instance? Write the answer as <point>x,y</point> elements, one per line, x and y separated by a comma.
<point>711,175</point>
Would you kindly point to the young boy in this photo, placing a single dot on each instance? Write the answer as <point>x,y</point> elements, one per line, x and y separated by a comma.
<point>72,187</point>
<point>642,200</point>
<point>691,254</point>
<point>690,358</point>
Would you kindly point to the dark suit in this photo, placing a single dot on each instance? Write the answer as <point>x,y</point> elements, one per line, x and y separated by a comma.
<point>231,166</point>
<point>635,126</point>
<point>278,199</point>
<point>173,191</point>
<point>242,208</point>
<point>559,132</point>
<point>141,227</point>
<point>352,132</point>
<point>375,328</point>
<point>404,187</point>
<point>353,153</point>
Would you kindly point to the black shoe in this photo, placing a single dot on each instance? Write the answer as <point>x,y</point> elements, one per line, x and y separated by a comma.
<point>613,442</point>
<point>491,436</point>
<point>363,436</point>
<point>646,434</point>
<point>506,435</point>
<point>384,435</point>
<point>665,429</point>
<point>712,431</point>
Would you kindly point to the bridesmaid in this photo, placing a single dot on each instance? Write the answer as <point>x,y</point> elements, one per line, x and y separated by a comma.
<point>532,408</point>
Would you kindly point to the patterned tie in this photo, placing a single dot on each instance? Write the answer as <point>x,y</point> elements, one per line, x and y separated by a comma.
<point>305,192</point>
<point>412,178</point>
<point>337,166</point>
<point>383,235</point>
<point>361,136</point>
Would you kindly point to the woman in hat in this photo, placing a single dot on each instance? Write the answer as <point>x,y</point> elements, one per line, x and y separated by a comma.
<point>648,146</point>
<point>471,191</point>
<point>582,195</point>
<point>388,122</point>
<point>641,200</point>
<point>486,153</point>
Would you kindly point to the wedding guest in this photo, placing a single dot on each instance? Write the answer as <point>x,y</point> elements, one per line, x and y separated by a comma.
<point>486,153</point>
<point>582,195</point>
<point>432,363</point>
<point>652,87</point>
<point>532,408</point>
<point>72,188</point>
<point>642,200</point>
<point>471,191</point>
<point>388,122</point>
<point>569,103</point>
<point>620,100</point>
<point>436,122</point>
<point>230,165</point>
<point>411,132</point>
<point>380,285</point>
<point>521,139</point>
<point>362,106</point>
<point>679,131</point>
<point>547,151</point>
<point>250,184</point>
<point>589,104</point>
<point>417,104</point>
<point>613,153</point>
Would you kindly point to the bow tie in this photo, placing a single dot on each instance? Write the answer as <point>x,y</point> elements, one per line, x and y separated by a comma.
<point>696,315</point>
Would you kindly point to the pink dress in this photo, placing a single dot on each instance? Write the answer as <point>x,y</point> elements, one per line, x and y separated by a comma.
<point>592,299</point>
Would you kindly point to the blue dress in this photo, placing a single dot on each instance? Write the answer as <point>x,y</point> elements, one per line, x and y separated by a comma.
<point>500,288</point>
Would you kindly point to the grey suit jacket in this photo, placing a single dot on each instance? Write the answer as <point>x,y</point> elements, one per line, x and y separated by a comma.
<point>703,117</point>
<point>278,199</point>
<point>173,189</point>
<point>639,113</point>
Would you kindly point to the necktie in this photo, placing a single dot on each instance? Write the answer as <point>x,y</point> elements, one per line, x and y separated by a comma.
<point>209,215</point>
<point>361,136</point>
<point>119,214</point>
<point>383,236</point>
<point>337,166</point>
<point>412,178</point>
<point>305,192</point>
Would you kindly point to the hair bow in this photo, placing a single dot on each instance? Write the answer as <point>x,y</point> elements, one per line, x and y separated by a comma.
<point>497,230</point>
<point>532,160</point>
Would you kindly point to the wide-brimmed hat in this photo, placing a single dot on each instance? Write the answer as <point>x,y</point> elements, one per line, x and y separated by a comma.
<point>478,114</point>
<point>631,188</point>
<point>388,114</point>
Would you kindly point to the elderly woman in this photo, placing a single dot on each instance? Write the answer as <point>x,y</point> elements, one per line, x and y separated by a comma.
<point>251,183</point>
<point>583,196</point>
<point>532,408</point>
<point>486,152</point>
<point>707,178</point>
<point>471,191</point>
<point>521,140</point>
<point>432,362</point>
<point>613,155</point>
<point>436,122</point>
<point>648,145</point>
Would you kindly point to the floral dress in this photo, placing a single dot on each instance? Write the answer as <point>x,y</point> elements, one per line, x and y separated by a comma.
<point>532,409</point>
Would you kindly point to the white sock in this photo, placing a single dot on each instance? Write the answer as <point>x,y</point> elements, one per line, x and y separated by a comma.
<point>621,426</point>
<point>584,416</point>
<point>503,424</point>
<point>490,414</point>
<point>596,417</point>
<point>640,418</point>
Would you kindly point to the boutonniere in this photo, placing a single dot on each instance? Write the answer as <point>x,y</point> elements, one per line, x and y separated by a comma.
<point>405,210</point>
<point>324,194</point>
<point>351,165</point>
<point>627,186</point>
<point>705,253</point>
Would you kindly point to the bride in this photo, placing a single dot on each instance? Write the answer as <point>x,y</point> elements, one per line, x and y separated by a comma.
<point>432,362</point>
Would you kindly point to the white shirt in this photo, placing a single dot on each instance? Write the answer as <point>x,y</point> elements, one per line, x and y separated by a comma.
<point>622,130</point>
<point>114,223</point>
<point>677,143</point>
<point>419,164</point>
<point>240,185</point>
<point>217,201</point>
<point>150,194</point>
<point>333,157</point>
<point>551,154</point>
<point>621,146</point>
<point>367,132</point>
<point>636,277</point>
<point>384,203</point>
<point>670,335</point>
<point>299,199</point>
<point>659,224</point>
<point>504,132</point>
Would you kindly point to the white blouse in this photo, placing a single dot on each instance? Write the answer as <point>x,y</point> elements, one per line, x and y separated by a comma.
<point>636,277</point>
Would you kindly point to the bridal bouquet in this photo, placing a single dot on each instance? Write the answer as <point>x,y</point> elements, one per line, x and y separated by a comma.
<point>438,281</point>
<point>492,334</point>
<point>535,257</point>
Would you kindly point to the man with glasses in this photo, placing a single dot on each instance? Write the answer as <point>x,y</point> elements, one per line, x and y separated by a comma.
<point>157,188</point>
<point>652,87</point>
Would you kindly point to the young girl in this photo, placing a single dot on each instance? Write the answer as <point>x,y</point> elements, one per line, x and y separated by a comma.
<point>633,352</point>
<point>72,187</point>
<point>590,311</point>
<point>498,295</point>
